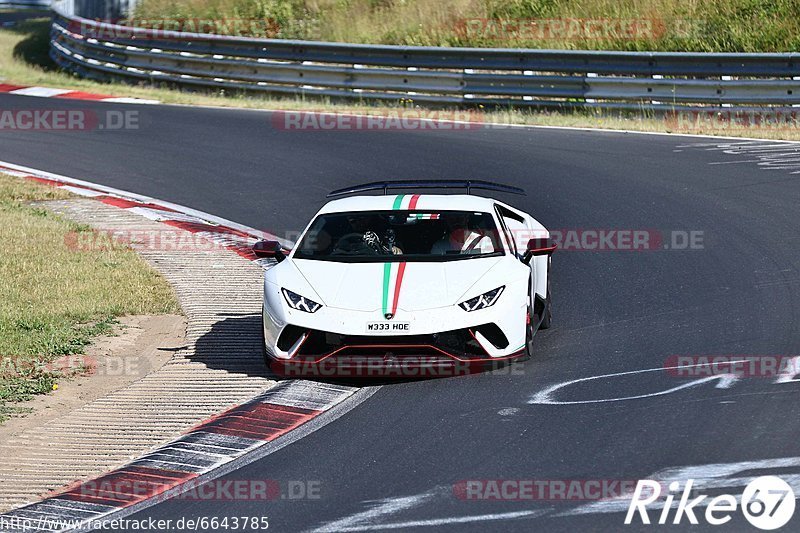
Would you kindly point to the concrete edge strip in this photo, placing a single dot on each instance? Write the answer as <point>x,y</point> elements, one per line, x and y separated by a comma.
<point>237,237</point>
<point>194,457</point>
<point>186,463</point>
<point>69,94</point>
<point>256,454</point>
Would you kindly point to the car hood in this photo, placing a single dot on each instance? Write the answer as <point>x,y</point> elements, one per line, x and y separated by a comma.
<point>410,286</point>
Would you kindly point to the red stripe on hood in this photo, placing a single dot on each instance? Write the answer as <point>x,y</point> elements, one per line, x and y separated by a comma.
<point>401,270</point>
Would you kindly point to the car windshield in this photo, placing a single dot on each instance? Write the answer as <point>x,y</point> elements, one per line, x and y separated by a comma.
<point>400,235</point>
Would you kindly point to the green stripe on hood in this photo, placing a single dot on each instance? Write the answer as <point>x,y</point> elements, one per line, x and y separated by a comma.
<point>387,273</point>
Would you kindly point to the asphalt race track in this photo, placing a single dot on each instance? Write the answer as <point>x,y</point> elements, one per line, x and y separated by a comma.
<point>392,462</point>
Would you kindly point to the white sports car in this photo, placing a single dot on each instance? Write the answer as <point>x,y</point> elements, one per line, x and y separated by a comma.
<point>400,285</point>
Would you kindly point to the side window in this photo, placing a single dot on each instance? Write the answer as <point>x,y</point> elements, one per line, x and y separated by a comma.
<point>514,228</point>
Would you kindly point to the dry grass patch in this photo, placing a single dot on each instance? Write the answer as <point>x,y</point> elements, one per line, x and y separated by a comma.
<point>55,298</point>
<point>678,25</point>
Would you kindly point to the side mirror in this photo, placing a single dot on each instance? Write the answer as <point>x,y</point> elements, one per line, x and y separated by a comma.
<point>270,249</point>
<point>537,247</point>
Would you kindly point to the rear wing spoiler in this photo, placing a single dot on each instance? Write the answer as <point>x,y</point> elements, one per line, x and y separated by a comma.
<point>386,186</point>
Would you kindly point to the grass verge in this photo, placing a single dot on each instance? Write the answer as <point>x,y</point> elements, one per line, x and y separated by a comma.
<point>54,298</point>
<point>668,25</point>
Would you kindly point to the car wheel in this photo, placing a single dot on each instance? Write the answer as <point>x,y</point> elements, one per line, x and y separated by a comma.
<point>264,342</point>
<point>529,332</point>
<point>547,315</point>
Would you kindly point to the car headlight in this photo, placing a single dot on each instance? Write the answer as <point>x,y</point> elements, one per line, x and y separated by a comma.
<point>487,299</point>
<point>301,303</point>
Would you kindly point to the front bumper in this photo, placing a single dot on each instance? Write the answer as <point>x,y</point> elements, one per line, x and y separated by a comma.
<point>452,353</point>
<point>387,357</point>
<point>439,342</point>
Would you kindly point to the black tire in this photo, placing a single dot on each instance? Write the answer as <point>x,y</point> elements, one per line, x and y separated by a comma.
<point>547,315</point>
<point>529,332</point>
<point>264,354</point>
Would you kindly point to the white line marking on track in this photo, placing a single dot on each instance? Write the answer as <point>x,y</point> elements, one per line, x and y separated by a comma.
<point>734,162</point>
<point>451,520</point>
<point>545,397</point>
<point>790,373</point>
<point>770,155</point>
<point>369,520</point>
<point>365,520</point>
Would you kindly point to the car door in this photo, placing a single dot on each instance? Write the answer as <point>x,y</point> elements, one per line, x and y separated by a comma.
<point>518,231</point>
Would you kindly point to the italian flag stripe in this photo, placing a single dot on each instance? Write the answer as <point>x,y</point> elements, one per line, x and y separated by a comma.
<point>400,271</point>
<point>400,198</point>
<point>401,267</point>
<point>387,274</point>
<point>392,284</point>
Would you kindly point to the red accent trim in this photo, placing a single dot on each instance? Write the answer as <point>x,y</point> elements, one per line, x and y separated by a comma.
<point>546,249</point>
<point>390,346</point>
<point>412,204</point>
<point>401,270</point>
<point>476,340</point>
<point>297,368</point>
<point>305,338</point>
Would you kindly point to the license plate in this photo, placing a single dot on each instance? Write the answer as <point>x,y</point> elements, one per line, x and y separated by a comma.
<point>388,327</point>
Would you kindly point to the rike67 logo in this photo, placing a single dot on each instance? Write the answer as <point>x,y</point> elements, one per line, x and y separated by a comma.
<point>767,502</point>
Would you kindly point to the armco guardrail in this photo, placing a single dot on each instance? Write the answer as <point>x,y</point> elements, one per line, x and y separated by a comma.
<point>25,4</point>
<point>427,75</point>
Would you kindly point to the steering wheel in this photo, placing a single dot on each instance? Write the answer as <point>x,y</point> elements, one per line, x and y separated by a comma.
<point>353,244</point>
